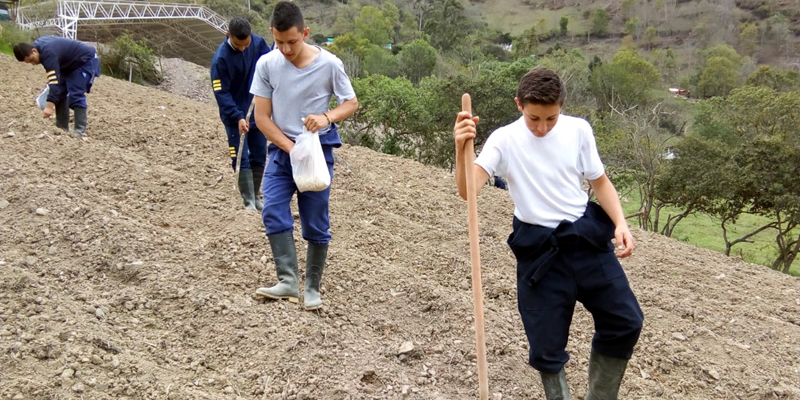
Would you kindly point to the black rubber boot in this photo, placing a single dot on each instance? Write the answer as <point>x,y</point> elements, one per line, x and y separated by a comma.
<point>246,189</point>
<point>285,255</point>
<point>605,376</point>
<point>62,116</point>
<point>555,385</point>
<point>315,264</point>
<point>258,173</point>
<point>79,126</point>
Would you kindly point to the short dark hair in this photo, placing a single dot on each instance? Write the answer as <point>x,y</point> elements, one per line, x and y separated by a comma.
<point>22,50</point>
<point>541,86</point>
<point>239,28</point>
<point>287,15</point>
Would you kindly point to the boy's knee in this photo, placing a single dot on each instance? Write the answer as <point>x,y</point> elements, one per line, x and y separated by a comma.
<point>620,341</point>
<point>276,223</point>
<point>548,362</point>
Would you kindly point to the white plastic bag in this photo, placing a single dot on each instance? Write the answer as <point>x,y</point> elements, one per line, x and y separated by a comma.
<point>41,99</point>
<point>309,168</point>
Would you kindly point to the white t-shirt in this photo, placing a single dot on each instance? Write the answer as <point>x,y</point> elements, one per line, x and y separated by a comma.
<point>297,93</point>
<point>544,174</point>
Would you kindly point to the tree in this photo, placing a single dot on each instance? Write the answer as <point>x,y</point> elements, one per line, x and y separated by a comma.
<point>775,78</point>
<point>780,34</point>
<point>748,39</point>
<point>128,56</point>
<point>408,28</point>
<point>391,116</point>
<point>600,22</point>
<point>345,18</point>
<point>372,25</point>
<point>718,77</point>
<point>759,132</point>
<point>541,27</point>
<point>719,71</point>
<point>627,8</point>
<point>573,68</point>
<point>666,62</point>
<point>724,51</point>
<point>417,60</point>
<point>770,167</point>
<point>698,180</point>
<point>380,61</point>
<point>447,24</point>
<point>562,25</point>
<point>526,44</point>
<point>632,27</point>
<point>625,82</point>
<point>639,152</point>
<point>352,49</point>
<point>650,35</point>
<point>416,122</point>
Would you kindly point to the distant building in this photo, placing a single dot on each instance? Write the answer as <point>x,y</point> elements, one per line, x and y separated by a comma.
<point>5,15</point>
<point>679,92</point>
<point>8,9</point>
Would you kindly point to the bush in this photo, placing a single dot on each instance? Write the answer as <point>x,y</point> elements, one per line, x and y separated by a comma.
<point>125,53</point>
<point>10,35</point>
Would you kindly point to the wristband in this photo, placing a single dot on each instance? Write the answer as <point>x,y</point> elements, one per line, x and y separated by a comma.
<point>329,118</point>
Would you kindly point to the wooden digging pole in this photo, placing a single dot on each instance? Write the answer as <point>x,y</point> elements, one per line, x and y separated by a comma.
<point>242,138</point>
<point>475,255</point>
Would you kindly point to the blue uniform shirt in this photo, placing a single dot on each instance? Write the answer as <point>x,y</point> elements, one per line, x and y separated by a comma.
<point>60,57</point>
<point>231,73</point>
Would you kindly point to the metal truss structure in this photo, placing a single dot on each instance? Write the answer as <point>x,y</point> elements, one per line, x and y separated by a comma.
<point>196,29</point>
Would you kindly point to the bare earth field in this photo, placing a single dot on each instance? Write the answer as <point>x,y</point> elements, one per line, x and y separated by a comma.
<point>127,271</point>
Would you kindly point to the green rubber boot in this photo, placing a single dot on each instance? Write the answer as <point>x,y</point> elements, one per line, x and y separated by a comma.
<point>315,263</point>
<point>79,126</point>
<point>62,116</point>
<point>605,376</point>
<point>258,173</point>
<point>246,189</point>
<point>555,385</point>
<point>285,255</point>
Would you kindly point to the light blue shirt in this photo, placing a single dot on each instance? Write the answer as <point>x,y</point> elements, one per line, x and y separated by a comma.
<point>297,93</point>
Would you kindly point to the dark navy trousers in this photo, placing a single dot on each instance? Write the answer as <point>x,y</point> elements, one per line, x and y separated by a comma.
<point>573,262</point>
<point>278,187</point>
<point>255,146</point>
<point>75,84</point>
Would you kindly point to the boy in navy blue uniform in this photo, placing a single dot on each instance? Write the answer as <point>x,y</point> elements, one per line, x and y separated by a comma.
<point>561,240</point>
<point>231,74</point>
<point>71,68</point>
<point>294,88</point>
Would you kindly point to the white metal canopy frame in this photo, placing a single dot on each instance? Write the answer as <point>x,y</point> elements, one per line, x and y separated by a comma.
<point>200,29</point>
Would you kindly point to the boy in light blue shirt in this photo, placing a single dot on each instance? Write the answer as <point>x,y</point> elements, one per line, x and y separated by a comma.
<point>293,89</point>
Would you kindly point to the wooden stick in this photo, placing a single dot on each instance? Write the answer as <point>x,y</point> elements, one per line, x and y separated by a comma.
<point>242,137</point>
<point>475,253</point>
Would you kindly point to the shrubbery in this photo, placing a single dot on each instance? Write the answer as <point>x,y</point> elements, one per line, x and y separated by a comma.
<point>127,57</point>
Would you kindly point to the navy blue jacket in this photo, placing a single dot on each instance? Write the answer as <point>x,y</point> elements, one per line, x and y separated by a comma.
<point>60,57</point>
<point>499,183</point>
<point>536,246</point>
<point>231,74</point>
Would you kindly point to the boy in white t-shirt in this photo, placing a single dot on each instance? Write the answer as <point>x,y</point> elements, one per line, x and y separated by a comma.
<point>562,241</point>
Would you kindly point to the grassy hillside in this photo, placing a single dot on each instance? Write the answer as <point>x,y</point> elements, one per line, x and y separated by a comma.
<point>679,24</point>
<point>704,231</point>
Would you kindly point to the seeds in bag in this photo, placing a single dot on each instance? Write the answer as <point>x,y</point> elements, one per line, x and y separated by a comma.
<point>309,168</point>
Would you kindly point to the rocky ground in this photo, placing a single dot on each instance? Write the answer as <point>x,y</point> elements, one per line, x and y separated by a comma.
<point>128,269</point>
<point>186,79</point>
